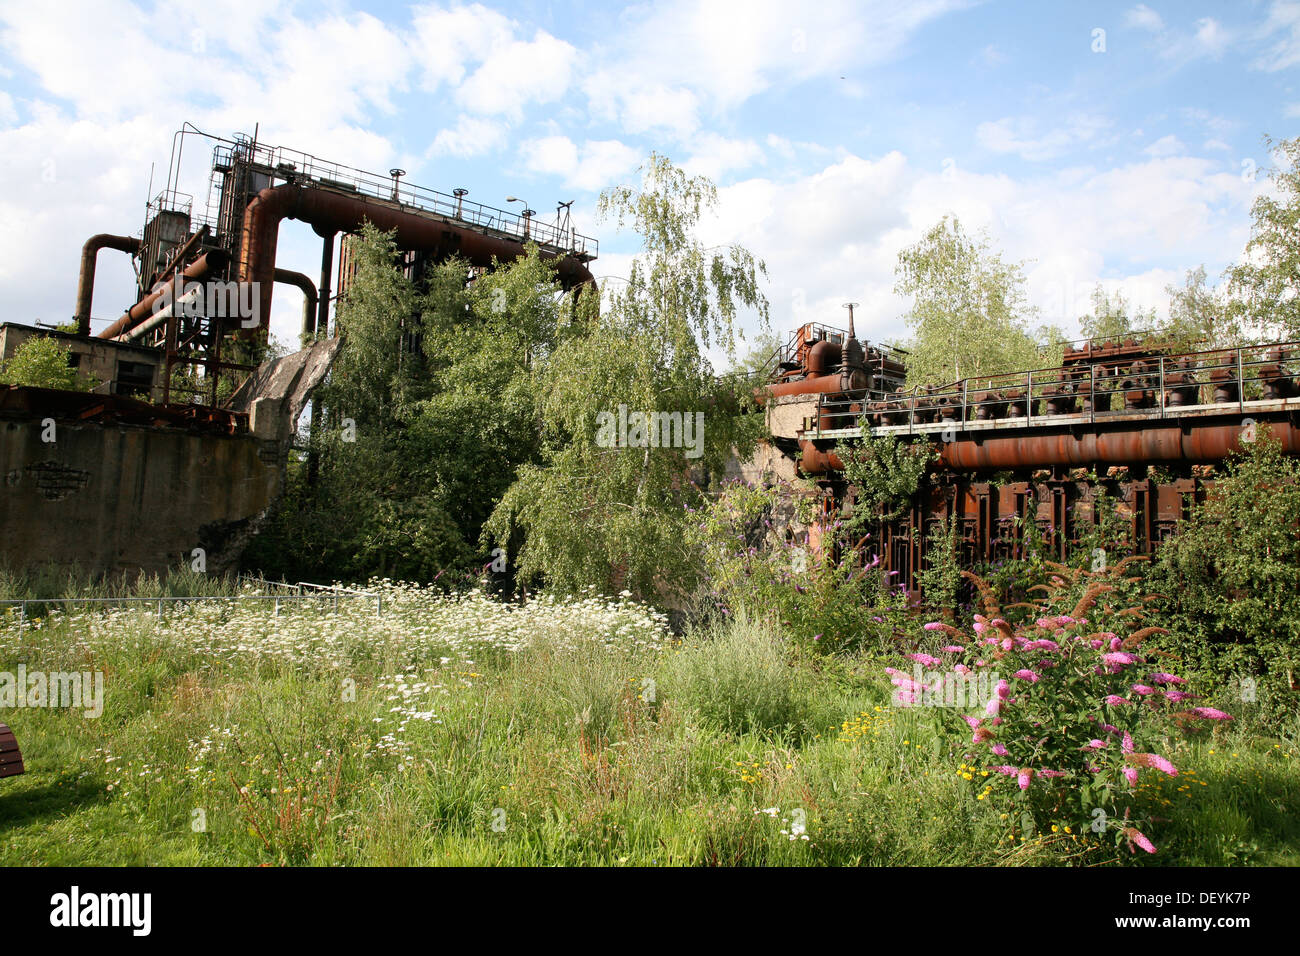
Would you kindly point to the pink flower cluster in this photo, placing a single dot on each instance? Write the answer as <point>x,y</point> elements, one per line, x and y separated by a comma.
<point>1021,721</point>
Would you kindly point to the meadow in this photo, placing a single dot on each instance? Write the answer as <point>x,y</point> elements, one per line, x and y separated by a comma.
<point>462,729</point>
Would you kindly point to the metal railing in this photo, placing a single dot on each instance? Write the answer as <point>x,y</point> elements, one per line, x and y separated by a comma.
<point>1154,386</point>
<point>303,167</point>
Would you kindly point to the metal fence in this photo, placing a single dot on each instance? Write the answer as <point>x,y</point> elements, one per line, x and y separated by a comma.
<point>1155,387</point>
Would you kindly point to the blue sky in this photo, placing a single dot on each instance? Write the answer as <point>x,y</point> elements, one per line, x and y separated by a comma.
<point>837,135</point>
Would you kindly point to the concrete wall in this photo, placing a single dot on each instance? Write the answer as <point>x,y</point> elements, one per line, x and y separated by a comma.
<point>108,497</point>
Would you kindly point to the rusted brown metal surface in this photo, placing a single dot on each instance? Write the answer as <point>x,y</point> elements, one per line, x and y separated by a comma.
<point>210,263</point>
<point>308,288</point>
<point>233,239</point>
<point>86,278</point>
<point>11,758</point>
<point>331,212</point>
<point>25,403</point>
<point>1065,507</point>
<point>1125,430</point>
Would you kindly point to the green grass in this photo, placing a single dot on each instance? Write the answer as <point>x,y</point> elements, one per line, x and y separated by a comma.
<point>462,731</point>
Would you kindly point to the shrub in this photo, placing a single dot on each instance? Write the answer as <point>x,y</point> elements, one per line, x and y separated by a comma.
<point>42,362</point>
<point>1232,579</point>
<point>884,473</point>
<point>822,599</point>
<point>1053,705</point>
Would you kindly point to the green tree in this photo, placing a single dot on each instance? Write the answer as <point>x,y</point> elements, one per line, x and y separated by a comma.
<point>608,509</point>
<point>1201,317</point>
<point>1111,319</point>
<point>42,361</point>
<point>970,314</point>
<point>431,412</point>
<point>1265,283</point>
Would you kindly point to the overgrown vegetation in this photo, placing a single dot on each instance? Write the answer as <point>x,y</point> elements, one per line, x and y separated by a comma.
<point>466,442</point>
<point>465,730</point>
<point>884,473</point>
<point>1231,578</point>
<point>43,361</point>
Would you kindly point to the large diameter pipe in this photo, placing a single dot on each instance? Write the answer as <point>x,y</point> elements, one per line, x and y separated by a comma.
<point>162,315</point>
<point>836,383</point>
<point>328,211</point>
<point>211,261</point>
<point>1148,442</point>
<point>298,279</point>
<point>86,278</point>
<point>1142,444</point>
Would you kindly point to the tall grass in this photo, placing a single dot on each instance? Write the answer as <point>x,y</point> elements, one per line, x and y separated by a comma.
<point>737,676</point>
<point>460,730</point>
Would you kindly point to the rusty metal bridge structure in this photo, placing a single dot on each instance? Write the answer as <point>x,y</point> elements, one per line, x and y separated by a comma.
<point>1136,426</point>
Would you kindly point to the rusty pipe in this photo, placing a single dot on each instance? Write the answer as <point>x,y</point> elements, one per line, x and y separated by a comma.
<point>1150,442</point>
<point>327,211</point>
<point>814,461</point>
<point>86,278</point>
<point>845,380</point>
<point>1147,443</point>
<point>211,261</point>
<point>823,357</point>
<point>288,277</point>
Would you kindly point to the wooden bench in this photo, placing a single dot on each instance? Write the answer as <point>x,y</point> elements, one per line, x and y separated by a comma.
<point>11,758</point>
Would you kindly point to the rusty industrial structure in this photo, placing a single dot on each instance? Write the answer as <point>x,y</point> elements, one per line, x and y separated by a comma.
<point>1134,427</point>
<point>147,466</point>
<point>230,246</point>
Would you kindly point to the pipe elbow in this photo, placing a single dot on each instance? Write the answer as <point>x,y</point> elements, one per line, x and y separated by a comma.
<point>86,279</point>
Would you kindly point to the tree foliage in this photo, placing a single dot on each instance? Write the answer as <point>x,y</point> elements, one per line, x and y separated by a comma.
<point>884,473</point>
<point>432,411</point>
<point>611,515</point>
<point>1201,316</point>
<point>1265,285</point>
<point>1231,577</point>
<point>970,315</point>
<point>1111,318</point>
<point>42,361</point>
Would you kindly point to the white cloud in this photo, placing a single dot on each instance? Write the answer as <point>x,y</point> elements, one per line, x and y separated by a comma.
<point>481,54</point>
<point>517,73</point>
<point>835,236</point>
<point>724,53</point>
<point>594,165</point>
<point>659,107</point>
<point>1169,145</point>
<point>8,114</point>
<point>1208,39</point>
<point>448,40</point>
<point>714,155</point>
<point>1020,135</point>
<point>1144,18</point>
<point>471,136</point>
<point>1281,31</point>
